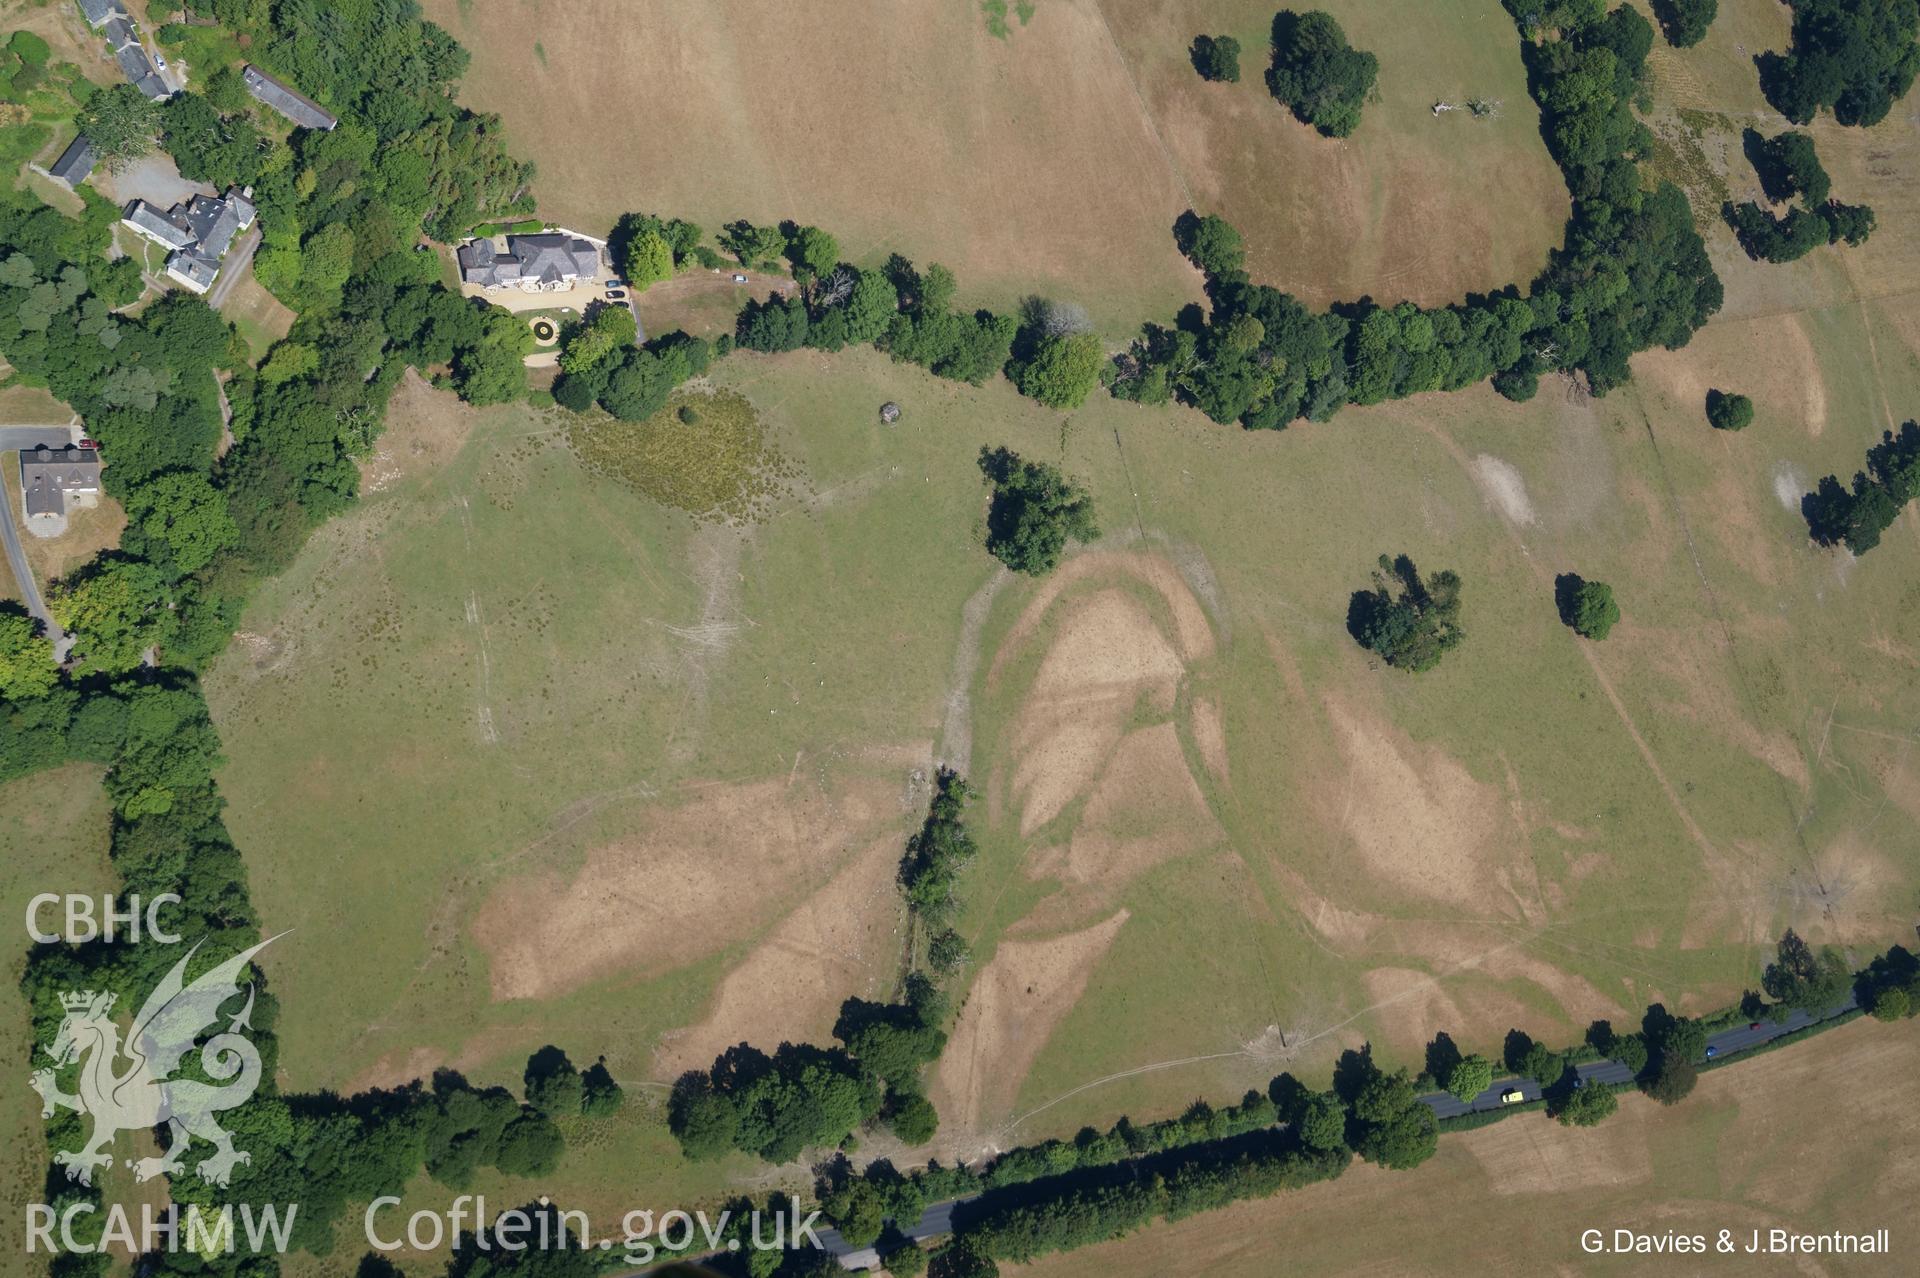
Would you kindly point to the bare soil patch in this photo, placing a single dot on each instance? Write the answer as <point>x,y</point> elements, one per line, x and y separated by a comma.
<point>1504,488</point>
<point>1417,818</point>
<point>1011,1011</point>
<point>1209,734</point>
<point>695,878</point>
<point>1145,809</point>
<point>1108,652</point>
<point>843,941</point>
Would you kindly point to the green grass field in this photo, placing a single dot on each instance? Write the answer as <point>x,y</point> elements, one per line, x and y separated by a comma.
<point>53,840</point>
<point>526,757</point>
<point>536,688</point>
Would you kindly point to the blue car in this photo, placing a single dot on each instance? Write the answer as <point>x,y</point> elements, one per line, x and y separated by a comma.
<point>1712,1051</point>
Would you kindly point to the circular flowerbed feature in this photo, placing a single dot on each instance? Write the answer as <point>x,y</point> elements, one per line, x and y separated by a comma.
<point>545,331</point>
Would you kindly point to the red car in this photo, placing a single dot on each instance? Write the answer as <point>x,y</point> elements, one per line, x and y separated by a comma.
<point>88,443</point>
<point>1754,1025</point>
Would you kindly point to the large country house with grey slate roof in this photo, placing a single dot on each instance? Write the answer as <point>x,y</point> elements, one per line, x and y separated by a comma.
<point>196,234</point>
<point>545,263</point>
<point>51,474</point>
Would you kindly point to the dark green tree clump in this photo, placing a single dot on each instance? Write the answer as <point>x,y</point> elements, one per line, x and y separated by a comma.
<point>1079,1210</point>
<point>121,123</point>
<point>1056,357</point>
<point>1318,74</point>
<point>1633,273</point>
<point>1857,516</point>
<point>1586,1106</point>
<point>1387,1123</point>
<point>1801,978</point>
<point>1767,238</point>
<point>1856,56</point>
<point>1212,244</point>
<point>771,1106</point>
<point>1685,22</point>
<point>1409,621</point>
<point>1788,167</point>
<point>1034,511</point>
<point>1728,411</point>
<point>1216,58</point>
<point>633,382</point>
<point>936,855</point>
<point>1587,607</point>
<point>1674,1046</point>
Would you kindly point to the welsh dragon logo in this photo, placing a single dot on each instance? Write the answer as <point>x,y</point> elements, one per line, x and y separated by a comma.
<point>125,1086</point>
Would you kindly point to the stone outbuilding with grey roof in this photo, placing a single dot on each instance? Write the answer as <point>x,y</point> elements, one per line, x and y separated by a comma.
<point>99,12</point>
<point>287,100</point>
<point>163,228</point>
<point>74,163</point>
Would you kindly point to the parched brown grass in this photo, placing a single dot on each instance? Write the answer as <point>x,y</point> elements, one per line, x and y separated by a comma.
<point>695,877</point>
<point>1811,1139</point>
<point>1054,161</point>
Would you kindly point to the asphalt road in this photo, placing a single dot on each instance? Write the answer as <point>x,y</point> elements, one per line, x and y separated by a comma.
<point>1725,1043</point>
<point>11,438</point>
<point>938,1219</point>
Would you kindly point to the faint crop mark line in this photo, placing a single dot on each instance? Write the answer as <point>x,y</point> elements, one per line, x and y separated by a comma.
<point>1795,821</point>
<point>1135,1072</point>
<point>1600,676</point>
<point>1146,115</point>
<point>1873,347</point>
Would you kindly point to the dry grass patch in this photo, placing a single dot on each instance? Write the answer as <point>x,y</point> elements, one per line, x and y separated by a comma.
<point>1011,1010</point>
<point>842,941</point>
<point>691,880</point>
<point>260,316</point>
<point>1745,1151</point>
<point>1398,211</point>
<point>898,127</point>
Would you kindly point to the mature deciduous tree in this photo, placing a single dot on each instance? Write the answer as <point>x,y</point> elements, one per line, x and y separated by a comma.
<point>1410,621</point>
<point>1033,513</point>
<point>1317,73</point>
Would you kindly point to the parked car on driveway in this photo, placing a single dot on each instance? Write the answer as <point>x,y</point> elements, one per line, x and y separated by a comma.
<point>613,284</point>
<point>616,295</point>
<point>160,59</point>
<point>739,279</point>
